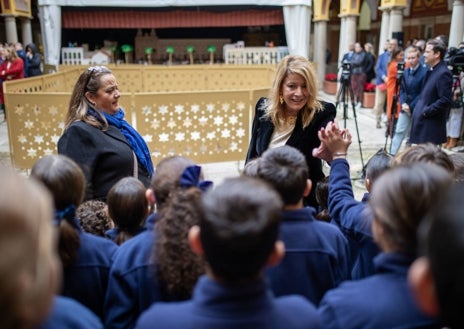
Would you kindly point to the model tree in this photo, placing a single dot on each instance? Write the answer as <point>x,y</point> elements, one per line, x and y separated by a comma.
<point>211,50</point>
<point>190,50</point>
<point>148,52</point>
<point>126,49</point>
<point>170,51</point>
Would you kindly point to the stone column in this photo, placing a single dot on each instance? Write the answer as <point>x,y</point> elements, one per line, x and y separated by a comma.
<point>347,34</point>
<point>384,28</point>
<point>26,30</point>
<point>456,34</point>
<point>320,45</point>
<point>11,30</point>
<point>396,20</point>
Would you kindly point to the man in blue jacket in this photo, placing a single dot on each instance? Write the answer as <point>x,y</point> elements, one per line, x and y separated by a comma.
<point>429,117</point>
<point>381,79</point>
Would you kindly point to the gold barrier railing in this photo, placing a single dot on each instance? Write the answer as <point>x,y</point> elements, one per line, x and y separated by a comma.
<point>205,125</point>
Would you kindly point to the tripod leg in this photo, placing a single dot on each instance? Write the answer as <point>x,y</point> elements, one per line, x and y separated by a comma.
<point>353,106</point>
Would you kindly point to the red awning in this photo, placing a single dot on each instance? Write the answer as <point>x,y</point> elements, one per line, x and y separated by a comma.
<point>168,19</point>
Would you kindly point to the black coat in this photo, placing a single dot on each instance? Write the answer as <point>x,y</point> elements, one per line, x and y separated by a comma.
<point>104,156</point>
<point>304,140</point>
<point>428,121</point>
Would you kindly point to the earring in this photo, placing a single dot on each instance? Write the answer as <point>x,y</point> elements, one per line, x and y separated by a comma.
<point>281,99</point>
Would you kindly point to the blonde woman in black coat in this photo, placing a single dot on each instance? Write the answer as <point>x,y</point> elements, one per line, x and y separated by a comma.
<point>292,115</point>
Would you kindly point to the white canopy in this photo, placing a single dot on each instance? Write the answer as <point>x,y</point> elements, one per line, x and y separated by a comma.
<point>297,17</point>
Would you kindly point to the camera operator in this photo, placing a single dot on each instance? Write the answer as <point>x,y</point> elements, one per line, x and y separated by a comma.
<point>410,88</point>
<point>455,61</point>
<point>429,117</point>
<point>358,76</point>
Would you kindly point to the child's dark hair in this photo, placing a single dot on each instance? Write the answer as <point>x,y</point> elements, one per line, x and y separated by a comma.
<point>402,197</point>
<point>322,198</point>
<point>93,217</point>
<point>178,267</point>
<point>377,164</point>
<point>167,177</point>
<point>239,226</point>
<point>285,168</point>
<point>127,207</point>
<point>427,152</point>
<point>66,182</point>
<point>441,240</point>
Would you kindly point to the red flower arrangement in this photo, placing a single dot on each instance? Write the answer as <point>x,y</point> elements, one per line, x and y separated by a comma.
<point>369,87</point>
<point>331,77</point>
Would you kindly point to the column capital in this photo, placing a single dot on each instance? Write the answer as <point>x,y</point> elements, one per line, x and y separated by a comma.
<point>348,15</point>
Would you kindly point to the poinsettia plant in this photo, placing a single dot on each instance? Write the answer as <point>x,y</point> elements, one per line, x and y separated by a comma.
<point>331,77</point>
<point>369,87</point>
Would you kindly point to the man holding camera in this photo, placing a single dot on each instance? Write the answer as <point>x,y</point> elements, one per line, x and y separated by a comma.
<point>429,117</point>
<point>410,89</point>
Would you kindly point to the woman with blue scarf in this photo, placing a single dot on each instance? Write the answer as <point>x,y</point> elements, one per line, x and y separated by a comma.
<point>99,139</point>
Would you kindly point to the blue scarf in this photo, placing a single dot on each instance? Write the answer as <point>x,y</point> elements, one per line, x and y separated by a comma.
<point>134,139</point>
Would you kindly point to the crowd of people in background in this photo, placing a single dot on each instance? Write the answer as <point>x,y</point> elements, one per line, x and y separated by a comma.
<point>18,63</point>
<point>415,75</point>
<point>140,245</point>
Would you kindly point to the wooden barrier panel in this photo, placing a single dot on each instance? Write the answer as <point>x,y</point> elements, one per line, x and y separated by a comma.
<point>205,125</point>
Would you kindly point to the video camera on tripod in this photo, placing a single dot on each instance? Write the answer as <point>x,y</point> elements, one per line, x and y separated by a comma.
<point>454,59</point>
<point>400,70</point>
<point>346,71</point>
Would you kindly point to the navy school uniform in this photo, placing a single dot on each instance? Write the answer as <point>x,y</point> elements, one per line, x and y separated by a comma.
<point>232,306</point>
<point>113,233</point>
<point>68,313</point>
<point>87,279</point>
<point>382,300</point>
<point>351,217</point>
<point>316,256</point>
<point>132,285</point>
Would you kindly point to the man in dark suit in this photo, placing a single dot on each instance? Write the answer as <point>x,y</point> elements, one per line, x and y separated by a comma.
<point>429,117</point>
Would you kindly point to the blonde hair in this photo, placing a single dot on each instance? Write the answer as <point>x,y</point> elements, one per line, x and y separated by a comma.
<point>29,272</point>
<point>293,64</point>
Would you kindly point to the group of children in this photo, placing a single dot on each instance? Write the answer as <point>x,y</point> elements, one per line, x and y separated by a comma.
<point>244,254</point>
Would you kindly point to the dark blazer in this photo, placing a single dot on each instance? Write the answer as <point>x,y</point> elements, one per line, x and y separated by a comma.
<point>380,301</point>
<point>351,217</point>
<point>304,140</point>
<point>132,284</point>
<point>87,279</point>
<point>309,245</point>
<point>430,113</point>
<point>104,156</point>
<point>248,305</point>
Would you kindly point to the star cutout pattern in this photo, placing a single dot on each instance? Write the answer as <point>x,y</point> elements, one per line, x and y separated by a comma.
<point>210,128</point>
<point>36,129</point>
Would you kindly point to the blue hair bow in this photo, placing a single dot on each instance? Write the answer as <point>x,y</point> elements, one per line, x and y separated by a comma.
<point>191,177</point>
<point>69,214</point>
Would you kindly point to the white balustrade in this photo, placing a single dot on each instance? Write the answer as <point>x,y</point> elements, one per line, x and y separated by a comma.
<point>254,55</point>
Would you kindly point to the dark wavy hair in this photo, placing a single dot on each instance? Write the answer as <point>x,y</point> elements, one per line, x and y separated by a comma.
<point>178,267</point>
